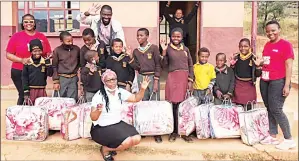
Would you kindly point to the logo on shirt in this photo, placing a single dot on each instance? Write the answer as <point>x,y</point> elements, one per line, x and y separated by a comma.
<point>102,50</point>
<point>43,69</point>
<point>275,50</point>
<point>266,60</point>
<point>265,75</point>
<point>124,64</point>
<point>149,55</point>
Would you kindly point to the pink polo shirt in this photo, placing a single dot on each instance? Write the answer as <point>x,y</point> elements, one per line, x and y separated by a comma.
<point>19,45</point>
<point>275,55</point>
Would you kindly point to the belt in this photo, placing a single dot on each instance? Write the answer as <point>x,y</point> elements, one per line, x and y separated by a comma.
<point>68,75</point>
<point>147,73</point>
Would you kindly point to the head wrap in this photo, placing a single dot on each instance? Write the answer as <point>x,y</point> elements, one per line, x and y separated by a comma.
<point>35,44</point>
<point>108,72</point>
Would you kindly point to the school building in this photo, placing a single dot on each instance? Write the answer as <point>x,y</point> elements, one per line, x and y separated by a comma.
<point>218,25</point>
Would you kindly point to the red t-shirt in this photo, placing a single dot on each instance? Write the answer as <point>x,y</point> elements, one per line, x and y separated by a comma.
<point>19,45</point>
<point>275,55</point>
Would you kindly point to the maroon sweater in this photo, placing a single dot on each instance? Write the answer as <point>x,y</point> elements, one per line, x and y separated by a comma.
<point>179,59</point>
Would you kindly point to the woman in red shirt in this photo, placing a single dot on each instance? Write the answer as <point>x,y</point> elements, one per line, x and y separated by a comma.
<point>17,51</point>
<point>275,84</point>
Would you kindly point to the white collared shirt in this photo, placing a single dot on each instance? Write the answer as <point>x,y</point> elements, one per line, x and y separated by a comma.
<point>113,116</point>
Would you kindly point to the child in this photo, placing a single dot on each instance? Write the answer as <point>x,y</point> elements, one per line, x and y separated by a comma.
<point>34,74</point>
<point>91,74</point>
<point>225,80</point>
<point>147,61</point>
<point>66,61</point>
<point>119,63</point>
<point>246,73</point>
<point>90,44</point>
<point>180,77</point>
<point>205,76</point>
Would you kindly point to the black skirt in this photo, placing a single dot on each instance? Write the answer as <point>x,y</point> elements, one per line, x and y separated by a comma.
<point>113,135</point>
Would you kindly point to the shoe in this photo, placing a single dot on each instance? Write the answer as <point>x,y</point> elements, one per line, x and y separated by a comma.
<point>107,157</point>
<point>269,140</point>
<point>172,137</point>
<point>142,136</point>
<point>286,145</point>
<point>158,139</point>
<point>52,132</point>
<point>113,153</point>
<point>188,139</point>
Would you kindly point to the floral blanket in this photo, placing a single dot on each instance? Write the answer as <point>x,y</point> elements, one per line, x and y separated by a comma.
<point>202,121</point>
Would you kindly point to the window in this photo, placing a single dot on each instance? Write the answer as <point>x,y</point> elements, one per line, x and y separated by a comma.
<point>51,16</point>
<point>164,30</point>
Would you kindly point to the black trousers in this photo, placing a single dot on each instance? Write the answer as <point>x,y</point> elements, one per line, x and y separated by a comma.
<point>16,76</point>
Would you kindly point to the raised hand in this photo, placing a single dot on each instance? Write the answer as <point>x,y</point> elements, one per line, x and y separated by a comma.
<point>94,9</point>
<point>258,60</point>
<point>145,82</point>
<point>129,52</point>
<point>163,44</point>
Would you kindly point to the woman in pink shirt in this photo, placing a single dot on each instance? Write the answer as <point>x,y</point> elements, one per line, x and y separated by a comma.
<point>275,84</point>
<point>17,51</point>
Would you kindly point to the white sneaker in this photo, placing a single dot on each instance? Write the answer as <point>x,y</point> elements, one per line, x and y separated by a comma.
<point>286,145</point>
<point>269,140</point>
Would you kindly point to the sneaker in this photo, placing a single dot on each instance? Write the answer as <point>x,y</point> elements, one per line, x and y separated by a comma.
<point>269,140</point>
<point>286,145</point>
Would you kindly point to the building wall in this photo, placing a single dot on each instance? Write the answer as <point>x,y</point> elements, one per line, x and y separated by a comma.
<point>222,27</point>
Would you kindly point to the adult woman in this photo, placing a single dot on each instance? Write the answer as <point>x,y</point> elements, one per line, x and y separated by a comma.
<point>18,52</point>
<point>275,84</point>
<point>108,129</point>
<point>180,66</point>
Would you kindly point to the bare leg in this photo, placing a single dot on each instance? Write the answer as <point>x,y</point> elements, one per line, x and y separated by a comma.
<point>136,139</point>
<point>124,145</point>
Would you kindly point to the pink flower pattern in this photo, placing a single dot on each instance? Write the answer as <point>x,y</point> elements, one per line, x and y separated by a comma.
<point>186,118</point>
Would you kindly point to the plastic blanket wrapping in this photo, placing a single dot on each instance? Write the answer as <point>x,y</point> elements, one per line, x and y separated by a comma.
<point>26,123</point>
<point>225,121</point>
<point>186,116</point>
<point>55,105</point>
<point>127,112</point>
<point>85,120</point>
<point>70,122</point>
<point>202,121</point>
<point>134,87</point>
<point>153,118</point>
<point>254,125</point>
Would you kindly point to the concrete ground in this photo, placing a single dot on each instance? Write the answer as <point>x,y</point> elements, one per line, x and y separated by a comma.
<point>55,148</point>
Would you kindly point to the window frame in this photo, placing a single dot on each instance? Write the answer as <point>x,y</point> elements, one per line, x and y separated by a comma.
<point>30,9</point>
<point>166,28</point>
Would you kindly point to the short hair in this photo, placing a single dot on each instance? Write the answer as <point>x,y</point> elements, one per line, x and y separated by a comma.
<point>116,40</point>
<point>219,54</point>
<point>88,31</point>
<point>89,54</point>
<point>28,15</point>
<point>179,9</point>
<point>107,7</point>
<point>64,34</point>
<point>203,49</point>
<point>273,22</point>
<point>246,40</point>
<point>145,30</point>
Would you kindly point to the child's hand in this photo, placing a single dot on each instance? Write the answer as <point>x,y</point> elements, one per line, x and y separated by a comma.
<point>232,60</point>
<point>128,87</point>
<point>129,52</point>
<point>56,86</point>
<point>26,97</point>
<point>208,92</point>
<point>258,60</point>
<point>219,94</point>
<point>190,86</point>
<point>156,84</point>
<point>226,96</point>
<point>25,61</point>
<point>163,44</point>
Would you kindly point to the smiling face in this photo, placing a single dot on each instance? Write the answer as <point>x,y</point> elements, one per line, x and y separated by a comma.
<point>220,60</point>
<point>36,53</point>
<point>117,47</point>
<point>88,40</point>
<point>244,47</point>
<point>203,57</point>
<point>106,15</point>
<point>176,38</point>
<point>141,37</point>
<point>111,81</point>
<point>272,32</point>
<point>28,23</point>
<point>178,14</point>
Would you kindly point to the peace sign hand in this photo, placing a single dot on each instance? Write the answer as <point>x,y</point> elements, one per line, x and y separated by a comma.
<point>94,9</point>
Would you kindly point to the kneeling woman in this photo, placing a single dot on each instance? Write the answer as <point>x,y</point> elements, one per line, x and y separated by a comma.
<point>108,129</point>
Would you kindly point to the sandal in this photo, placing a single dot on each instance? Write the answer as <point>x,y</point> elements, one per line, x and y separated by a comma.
<point>188,139</point>
<point>113,153</point>
<point>172,137</point>
<point>107,157</point>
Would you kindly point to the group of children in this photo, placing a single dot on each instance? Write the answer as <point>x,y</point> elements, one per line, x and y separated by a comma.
<point>205,80</point>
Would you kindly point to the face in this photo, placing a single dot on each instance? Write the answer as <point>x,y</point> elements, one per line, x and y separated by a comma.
<point>272,32</point>
<point>28,23</point>
<point>36,53</point>
<point>111,81</point>
<point>176,37</point>
<point>88,40</point>
<point>244,47</point>
<point>141,37</point>
<point>220,61</point>
<point>96,57</point>
<point>117,47</point>
<point>178,14</point>
<point>68,40</point>
<point>203,57</point>
<point>106,16</point>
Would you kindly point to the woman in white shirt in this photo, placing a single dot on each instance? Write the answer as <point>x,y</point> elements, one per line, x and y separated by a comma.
<point>108,129</point>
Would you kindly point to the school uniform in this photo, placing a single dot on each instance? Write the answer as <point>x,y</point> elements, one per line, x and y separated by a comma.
<point>109,130</point>
<point>91,81</point>
<point>102,52</point>
<point>34,77</point>
<point>225,83</point>
<point>66,62</point>
<point>246,74</point>
<point>119,63</point>
<point>147,61</point>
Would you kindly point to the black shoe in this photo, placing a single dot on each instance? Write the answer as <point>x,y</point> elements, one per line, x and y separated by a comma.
<point>107,157</point>
<point>142,136</point>
<point>113,153</point>
<point>172,137</point>
<point>52,132</point>
<point>158,139</point>
<point>188,139</point>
